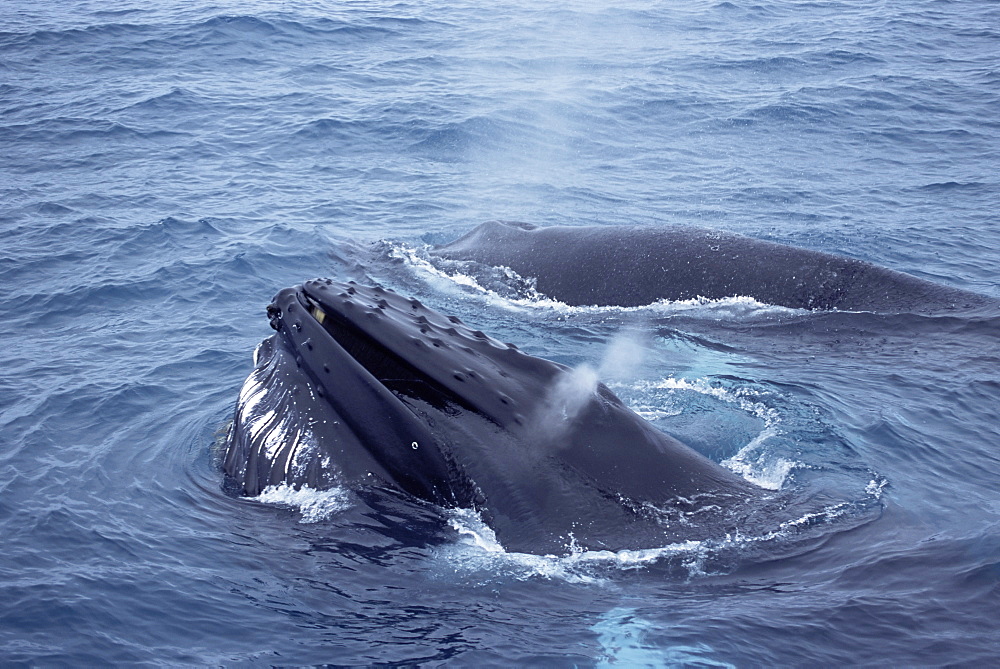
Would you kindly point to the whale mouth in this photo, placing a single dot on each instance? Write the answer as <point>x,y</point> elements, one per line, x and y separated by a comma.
<point>358,410</point>
<point>384,364</point>
<point>425,358</point>
<point>380,362</point>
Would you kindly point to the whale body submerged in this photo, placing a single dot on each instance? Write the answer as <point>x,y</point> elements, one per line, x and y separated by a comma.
<point>632,266</point>
<point>361,386</point>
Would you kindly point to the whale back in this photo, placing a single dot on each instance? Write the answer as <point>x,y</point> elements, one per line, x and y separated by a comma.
<point>633,266</point>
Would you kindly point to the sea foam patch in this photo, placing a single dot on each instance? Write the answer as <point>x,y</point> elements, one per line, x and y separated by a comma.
<point>313,505</point>
<point>478,550</point>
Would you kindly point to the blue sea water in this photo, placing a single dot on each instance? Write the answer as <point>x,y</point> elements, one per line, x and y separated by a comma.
<point>166,167</point>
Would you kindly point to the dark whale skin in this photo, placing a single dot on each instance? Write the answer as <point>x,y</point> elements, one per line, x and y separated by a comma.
<point>362,386</point>
<point>633,266</point>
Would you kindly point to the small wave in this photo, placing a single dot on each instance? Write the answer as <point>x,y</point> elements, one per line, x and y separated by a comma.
<point>52,209</point>
<point>948,186</point>
<point>66,131</point>
<point>327,129</point>
<point>240,24</point>
<point>243,31</point>
<point>836,57</point>
<point>789,112</point>
<point>475,134</point>
<point>175,100</point>
<point>74,36</point>
<point>313,505</point>
<point>239,27</point>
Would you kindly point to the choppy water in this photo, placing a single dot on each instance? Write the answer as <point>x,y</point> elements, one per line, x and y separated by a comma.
<point>167,167</point>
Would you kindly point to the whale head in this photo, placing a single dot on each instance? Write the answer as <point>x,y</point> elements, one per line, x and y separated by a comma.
<point>361,385</point>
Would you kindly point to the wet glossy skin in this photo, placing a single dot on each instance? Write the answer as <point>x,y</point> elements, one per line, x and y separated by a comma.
<point>377,388</point>
<point>632,266</point>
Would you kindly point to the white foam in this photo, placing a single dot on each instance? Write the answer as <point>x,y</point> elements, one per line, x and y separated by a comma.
<point>652,413</point>
<point>875,488</point>
<point>742,397</point>
<point>314,505</point>
<point>473,531</point>
<point>478,550</point>
<point>756,465</point>
<point>417,260</point>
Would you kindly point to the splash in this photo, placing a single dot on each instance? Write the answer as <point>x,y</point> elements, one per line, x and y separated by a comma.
<point>477,549</point>
<point>755,464</point>
<point>313,505</point>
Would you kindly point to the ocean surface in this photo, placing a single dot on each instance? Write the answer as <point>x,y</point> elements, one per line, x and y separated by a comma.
<point>166,167</point>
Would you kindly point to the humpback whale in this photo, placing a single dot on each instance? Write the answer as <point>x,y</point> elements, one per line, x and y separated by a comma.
<point>633,266</point>
<point>360,386</point>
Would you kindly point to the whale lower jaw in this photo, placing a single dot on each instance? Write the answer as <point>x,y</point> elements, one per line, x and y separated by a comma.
<point>282,433</point>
